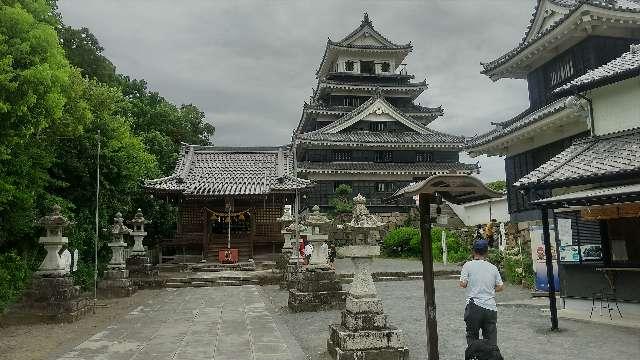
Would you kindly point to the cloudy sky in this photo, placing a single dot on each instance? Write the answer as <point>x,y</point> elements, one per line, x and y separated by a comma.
<point>249,65</point>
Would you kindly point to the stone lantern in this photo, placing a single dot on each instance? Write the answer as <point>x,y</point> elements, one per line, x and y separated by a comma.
<point>53,242</point>
<point>318,224</point>
<point>295,243</point>
<point>52,295</point>
<point>116,282</point>
<point>138,262</point>
<point>364,332</point>
<point>138,233</point>
<point>285,220</point>
<point>117,245</point>
<point>316,286</point>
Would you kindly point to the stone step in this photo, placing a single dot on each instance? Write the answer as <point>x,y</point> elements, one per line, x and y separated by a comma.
<point>200,284</point>
<point>228,283</point>
<point>175,285</point>
<point>179,280</point>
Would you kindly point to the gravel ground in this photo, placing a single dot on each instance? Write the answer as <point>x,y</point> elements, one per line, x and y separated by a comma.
<point>522,330</point>
<point>45,341</point>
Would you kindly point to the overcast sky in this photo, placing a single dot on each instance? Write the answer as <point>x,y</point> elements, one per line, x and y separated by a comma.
<point>249,65</point>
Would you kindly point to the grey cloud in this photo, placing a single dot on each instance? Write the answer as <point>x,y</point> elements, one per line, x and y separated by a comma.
<point>249,65</point>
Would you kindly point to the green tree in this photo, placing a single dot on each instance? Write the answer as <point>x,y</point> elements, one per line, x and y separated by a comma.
<point>84,51</point>
<point>498,185</point>
<point>34,86</point>
<point>342,202</point>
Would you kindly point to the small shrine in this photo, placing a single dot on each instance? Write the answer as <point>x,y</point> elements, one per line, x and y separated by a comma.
<point>316,286</point>
<point>52,295</point>
<point>364,332</point>
<point>116,282</point>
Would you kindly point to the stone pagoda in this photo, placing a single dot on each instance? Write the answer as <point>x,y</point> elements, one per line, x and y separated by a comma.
<point>52,295</point>
<point>362,126</point>
<point>116,282</point>
<point>364,332</point>
<point>317,287</point>
<point>138,263</point>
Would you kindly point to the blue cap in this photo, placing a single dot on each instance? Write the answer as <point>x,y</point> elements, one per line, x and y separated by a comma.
<point>481,245</point>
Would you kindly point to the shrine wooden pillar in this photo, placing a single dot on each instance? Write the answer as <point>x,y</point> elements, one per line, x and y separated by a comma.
<point>425,200</point>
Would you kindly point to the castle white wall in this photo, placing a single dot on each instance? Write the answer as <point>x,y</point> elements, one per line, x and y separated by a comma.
<point>616,107</point>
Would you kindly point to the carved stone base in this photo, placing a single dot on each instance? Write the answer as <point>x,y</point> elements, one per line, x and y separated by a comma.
<point>316,289</point>
<point>140,266</point>
<point>386,344</point>
<point>116,283</point>
<point>50,300</point>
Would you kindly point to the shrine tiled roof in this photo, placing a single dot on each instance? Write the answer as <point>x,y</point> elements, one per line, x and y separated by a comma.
<point>218,171</point>
<point>590,159</point>
<point>518,122</point>
<point>430,139</point>
<point>573,6</point>
<point>385,168</point>
<point>626,66</point>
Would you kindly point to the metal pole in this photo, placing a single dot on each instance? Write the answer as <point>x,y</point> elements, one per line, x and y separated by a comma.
<point>229,229</point>
<point>427,275</point>
<point>549,262</point>
<point>297,232</point>
<point>95,245</point>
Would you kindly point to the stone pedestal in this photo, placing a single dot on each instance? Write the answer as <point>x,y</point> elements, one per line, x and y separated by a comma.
<point>116,283</point>
<point>316,289</point>
<point>364,332</point>
<point>50,300</point>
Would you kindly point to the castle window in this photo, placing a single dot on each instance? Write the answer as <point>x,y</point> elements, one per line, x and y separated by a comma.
<point>348,65</point>
<point>424,156</point>
<point>367,67</point>
<point>386,187</point>
<point>383,156</point>
<point>341,155</point>
<point>377,126</point>
<point>385,67</point>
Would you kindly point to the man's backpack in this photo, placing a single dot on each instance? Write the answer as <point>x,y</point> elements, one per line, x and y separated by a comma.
<point>482,350</point>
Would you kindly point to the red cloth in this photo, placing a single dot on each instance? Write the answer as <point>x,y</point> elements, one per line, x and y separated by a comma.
<point>301,249</point>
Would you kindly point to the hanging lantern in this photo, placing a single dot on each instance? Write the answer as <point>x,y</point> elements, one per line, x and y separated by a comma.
<point>241,217</point>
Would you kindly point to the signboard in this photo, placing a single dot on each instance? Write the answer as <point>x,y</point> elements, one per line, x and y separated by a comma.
<point>565,235</point>
<point>591,252</point>
<point>538,256</point>
<point>570,253</point>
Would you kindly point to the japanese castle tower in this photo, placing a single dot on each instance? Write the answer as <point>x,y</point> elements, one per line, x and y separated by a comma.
<point>362,127</point>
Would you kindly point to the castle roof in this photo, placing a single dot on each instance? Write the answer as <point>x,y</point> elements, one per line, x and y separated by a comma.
<point>556,21</point>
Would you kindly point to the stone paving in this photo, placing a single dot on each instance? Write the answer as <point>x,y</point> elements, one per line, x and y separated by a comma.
<point>344,266</point>
<point>522,329</point>
<point>225,323</point>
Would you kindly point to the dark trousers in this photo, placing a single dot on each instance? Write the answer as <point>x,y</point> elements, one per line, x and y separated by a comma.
<point>476,318</point>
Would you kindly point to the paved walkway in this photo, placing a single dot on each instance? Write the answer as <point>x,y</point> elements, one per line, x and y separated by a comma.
<point>345,266</point>
<point>223,323</point>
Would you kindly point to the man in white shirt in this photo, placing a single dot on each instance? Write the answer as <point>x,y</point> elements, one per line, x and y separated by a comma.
<point>482,280</point>
<point>308,250</point>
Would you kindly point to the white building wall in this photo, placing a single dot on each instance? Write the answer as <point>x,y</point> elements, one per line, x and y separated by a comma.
<point>480,212</point>
<point>616,107</point>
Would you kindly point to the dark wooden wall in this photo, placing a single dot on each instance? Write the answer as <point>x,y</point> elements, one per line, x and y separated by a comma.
<point>399,156</point>
<point>575,61</point>
<point>325,190</point>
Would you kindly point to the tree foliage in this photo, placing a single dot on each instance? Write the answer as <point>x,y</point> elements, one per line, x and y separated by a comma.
<point>498,185</point>
<point>57,93</point>
<point>342,202</point>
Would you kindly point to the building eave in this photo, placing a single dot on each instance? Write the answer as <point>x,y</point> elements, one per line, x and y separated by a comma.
<point>577,24</point>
